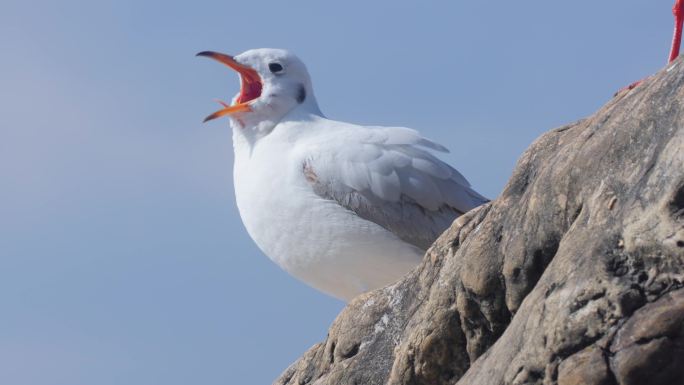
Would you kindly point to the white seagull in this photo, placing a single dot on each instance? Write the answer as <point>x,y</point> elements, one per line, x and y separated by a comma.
<point>342,207</point>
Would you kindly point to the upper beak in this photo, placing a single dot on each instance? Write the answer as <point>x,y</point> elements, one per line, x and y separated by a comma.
<point>250,85</point>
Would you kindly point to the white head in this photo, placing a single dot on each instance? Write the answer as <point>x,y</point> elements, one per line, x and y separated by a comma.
<point>274,82</point>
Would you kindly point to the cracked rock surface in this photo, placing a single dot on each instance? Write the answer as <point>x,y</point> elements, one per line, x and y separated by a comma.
<point>573,275</point>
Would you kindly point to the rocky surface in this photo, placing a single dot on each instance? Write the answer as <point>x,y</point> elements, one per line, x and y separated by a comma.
<point>574,275</point>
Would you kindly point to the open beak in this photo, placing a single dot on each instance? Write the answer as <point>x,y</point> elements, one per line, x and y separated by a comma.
<point>250,85</point>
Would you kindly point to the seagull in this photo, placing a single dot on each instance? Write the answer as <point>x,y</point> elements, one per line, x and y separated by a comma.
<point>342,207</point>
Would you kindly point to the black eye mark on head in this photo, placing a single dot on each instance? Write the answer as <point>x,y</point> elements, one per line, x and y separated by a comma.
<point>301,94</point>
<point>275,67</point>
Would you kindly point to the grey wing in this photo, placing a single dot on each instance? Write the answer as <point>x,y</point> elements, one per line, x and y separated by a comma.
<point>389,178</point>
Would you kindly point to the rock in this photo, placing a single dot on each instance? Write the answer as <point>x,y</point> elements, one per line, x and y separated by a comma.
<point>649,347</point>
<point>588,367</point>
<point>574,275</point>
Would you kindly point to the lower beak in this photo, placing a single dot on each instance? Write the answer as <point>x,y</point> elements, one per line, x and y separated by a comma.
<point>227,110</point>
<point>250,87</point>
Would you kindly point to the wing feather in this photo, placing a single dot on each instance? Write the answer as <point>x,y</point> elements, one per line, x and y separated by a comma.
<point>386,175</point>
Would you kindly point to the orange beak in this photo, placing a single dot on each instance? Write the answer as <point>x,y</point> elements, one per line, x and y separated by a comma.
<point>250,85</point>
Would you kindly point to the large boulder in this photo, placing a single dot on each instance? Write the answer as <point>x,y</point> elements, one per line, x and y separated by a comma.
<point>574,275</point>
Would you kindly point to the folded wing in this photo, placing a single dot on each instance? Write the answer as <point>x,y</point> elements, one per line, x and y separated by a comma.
<point>388,175</point>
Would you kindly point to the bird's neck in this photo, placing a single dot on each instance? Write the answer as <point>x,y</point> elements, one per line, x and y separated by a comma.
<point>249,129</point>
<point>308,107</point>
<point>303,112</point>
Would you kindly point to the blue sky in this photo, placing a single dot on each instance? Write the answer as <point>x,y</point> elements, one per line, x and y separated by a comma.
<point>122,256</point>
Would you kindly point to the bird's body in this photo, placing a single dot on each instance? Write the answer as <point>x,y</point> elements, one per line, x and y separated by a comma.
<point>344,208</point>
<point>313,238</point>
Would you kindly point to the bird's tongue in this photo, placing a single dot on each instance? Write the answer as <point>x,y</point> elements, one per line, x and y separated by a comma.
<point>250,89</point>
<point>250,85</point>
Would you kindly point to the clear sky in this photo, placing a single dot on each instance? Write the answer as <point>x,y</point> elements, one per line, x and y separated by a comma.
<point>122,256</point>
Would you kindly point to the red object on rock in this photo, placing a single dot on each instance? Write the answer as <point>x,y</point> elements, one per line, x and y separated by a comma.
<point>678,11</point>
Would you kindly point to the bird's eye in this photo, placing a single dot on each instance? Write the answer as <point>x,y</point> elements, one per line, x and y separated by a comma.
<point>275,67</point>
